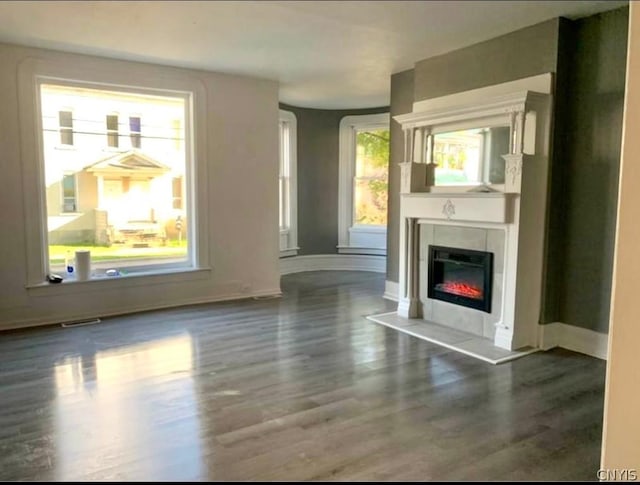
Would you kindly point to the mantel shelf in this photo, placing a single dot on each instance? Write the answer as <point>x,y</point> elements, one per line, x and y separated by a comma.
<point>491,207</point>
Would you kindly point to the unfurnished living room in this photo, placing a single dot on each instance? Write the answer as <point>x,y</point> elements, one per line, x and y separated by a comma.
<point>319,240</point>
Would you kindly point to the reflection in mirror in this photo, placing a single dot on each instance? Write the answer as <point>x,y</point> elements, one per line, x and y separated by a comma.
<point>470,157</point>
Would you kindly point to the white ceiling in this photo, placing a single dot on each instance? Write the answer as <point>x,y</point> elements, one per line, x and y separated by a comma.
<point>325,54</point>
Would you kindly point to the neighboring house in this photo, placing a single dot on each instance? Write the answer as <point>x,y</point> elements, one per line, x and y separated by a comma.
<point>114,166</point>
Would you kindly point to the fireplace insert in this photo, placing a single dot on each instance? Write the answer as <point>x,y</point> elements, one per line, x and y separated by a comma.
<point>461,276</point>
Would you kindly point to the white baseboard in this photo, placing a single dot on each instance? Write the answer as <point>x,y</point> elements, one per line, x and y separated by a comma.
<point>391,290</point>
<point>333,262</point>
<point>574,338</point>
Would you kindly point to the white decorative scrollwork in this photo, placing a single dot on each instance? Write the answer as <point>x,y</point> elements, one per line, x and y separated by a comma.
<point>514,170</point>
<point>448,209</point>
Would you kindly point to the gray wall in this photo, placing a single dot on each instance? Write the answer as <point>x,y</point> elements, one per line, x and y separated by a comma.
<point>401,102</point>
<point>318,162</point>
<point>516,55</point>
<point>593,134</point>
<point>588,57</point>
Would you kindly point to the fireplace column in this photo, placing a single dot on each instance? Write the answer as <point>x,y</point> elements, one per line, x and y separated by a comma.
<point>409,301</point>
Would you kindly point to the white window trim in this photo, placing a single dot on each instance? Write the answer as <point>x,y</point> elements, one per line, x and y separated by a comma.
<point>90,72</point>
<point>289,235</point>
<point>354,238</point>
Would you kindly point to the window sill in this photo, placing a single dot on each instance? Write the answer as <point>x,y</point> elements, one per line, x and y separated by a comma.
<point>102,282</point>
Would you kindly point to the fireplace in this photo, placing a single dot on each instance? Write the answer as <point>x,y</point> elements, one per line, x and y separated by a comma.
<point>460,276</point>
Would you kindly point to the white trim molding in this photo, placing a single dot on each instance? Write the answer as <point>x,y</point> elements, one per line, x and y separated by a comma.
<point>391,289</point>
<point>364,239</point>
<point>333,262</point>
<point>574,338</point>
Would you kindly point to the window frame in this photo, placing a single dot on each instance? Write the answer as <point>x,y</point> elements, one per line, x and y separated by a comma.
<point>36,71</point>
<point>356,238</point>
<point>288,232</point>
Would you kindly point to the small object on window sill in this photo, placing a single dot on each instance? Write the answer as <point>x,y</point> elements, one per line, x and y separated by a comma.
<point>482,188</point>
<point>54,278</point>
<point>112,272</point>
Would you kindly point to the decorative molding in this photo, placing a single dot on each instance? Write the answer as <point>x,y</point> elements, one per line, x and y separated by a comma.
<point>413,177</point>
<point>448,209</point>
<point>574,338</point>
<point>513,172</point>
<point>488,107</point>
<point>463,206</point>
<point>333,262</point>
<point>391,290</point>
<point>541,83</point>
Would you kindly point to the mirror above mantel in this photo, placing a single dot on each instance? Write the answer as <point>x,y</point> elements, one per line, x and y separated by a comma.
<point>476,147</point>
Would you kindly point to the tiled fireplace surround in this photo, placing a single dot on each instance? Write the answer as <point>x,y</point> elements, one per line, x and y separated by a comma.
<point>456,316</point>
<point>508,221</point>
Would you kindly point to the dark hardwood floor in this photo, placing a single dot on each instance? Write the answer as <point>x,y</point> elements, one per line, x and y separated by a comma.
<point>298,388</point>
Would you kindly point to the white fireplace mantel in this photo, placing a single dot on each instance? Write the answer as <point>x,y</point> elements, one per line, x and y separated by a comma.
<point>493,207</point>
<point>517,208</point>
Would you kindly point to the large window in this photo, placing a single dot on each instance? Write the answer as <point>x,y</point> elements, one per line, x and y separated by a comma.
<point>128,207</point>
<point>363,191</point>
<point>287,184</point>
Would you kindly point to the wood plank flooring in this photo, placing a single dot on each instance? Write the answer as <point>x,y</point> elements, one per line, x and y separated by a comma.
<point>297,388</point>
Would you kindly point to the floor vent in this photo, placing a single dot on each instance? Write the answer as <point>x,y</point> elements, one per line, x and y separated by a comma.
<point>80,323</point>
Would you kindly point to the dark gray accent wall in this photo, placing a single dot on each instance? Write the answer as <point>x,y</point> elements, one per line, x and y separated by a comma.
<point>526,52</point>
<point>401,102</point>
<point>556,206</point>
<point>593,134</point>
<point>318,164</point>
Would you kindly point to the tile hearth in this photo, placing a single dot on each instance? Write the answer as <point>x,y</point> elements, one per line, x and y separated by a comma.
<point>466,343</point>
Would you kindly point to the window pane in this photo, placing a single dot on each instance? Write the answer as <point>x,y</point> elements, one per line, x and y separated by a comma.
<point>112,122</point>
<point>372,153</point>
<point>128,207</point>
<point>66,119</point>
<point>134,131</point>
<point>69,186</point>
<point>134,124</point>
<point>370,201</point>
<point>66,136</point>
<point>372,166</point>
<point>112,131</point>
